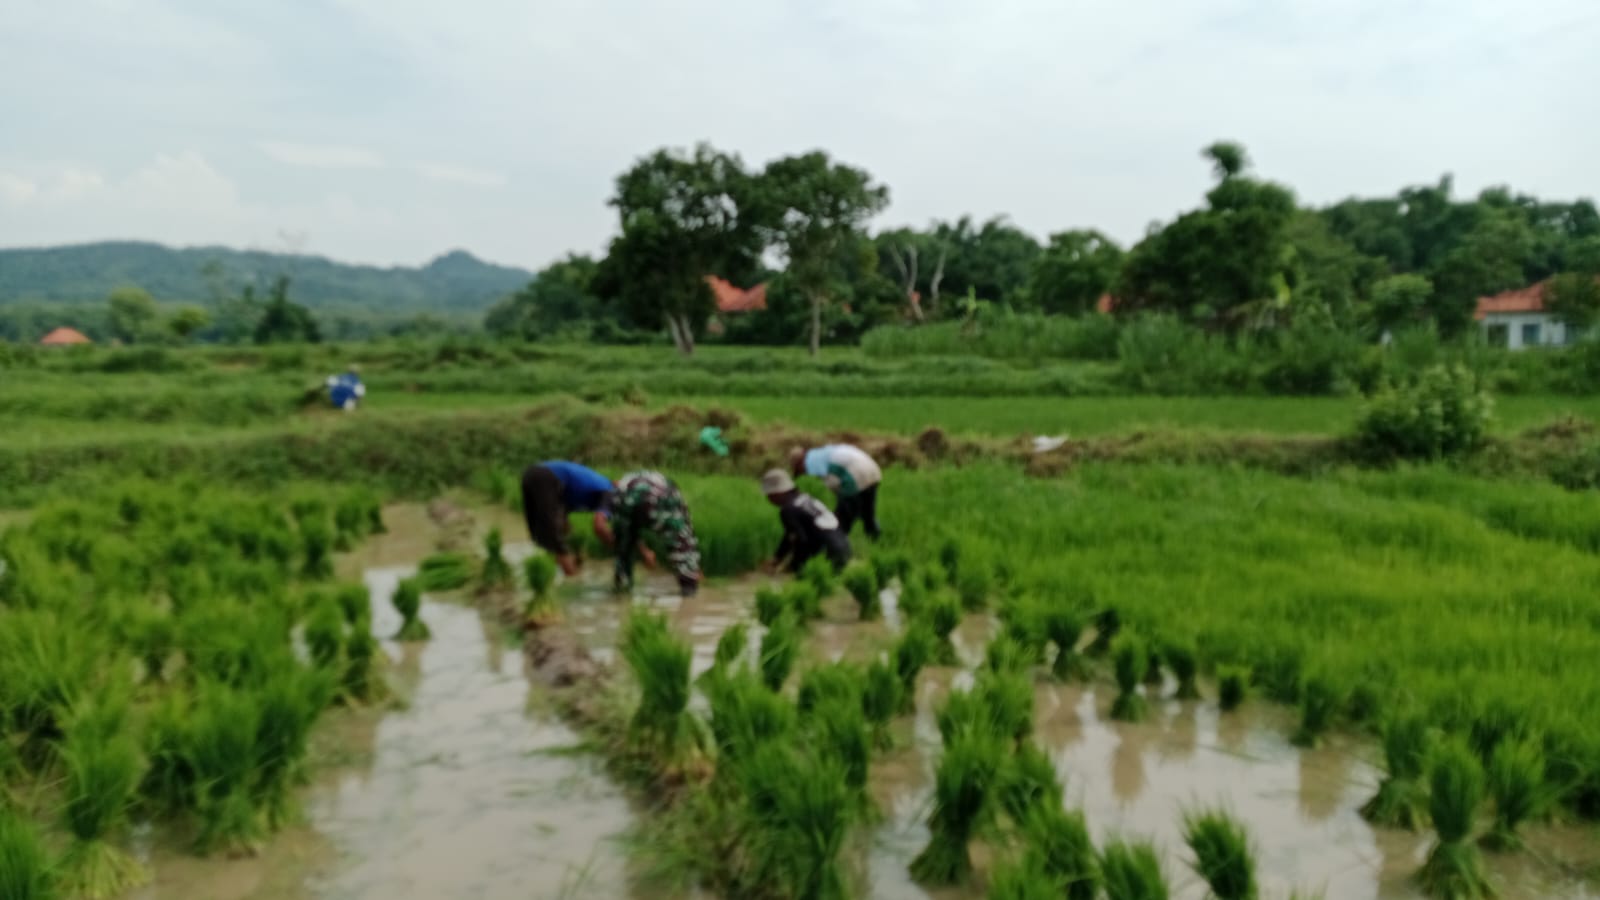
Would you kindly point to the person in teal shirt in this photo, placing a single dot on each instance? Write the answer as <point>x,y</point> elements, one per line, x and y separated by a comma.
<point>852,475</point>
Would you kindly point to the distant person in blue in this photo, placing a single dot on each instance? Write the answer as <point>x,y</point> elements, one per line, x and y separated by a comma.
<point>550,491</point>
<point>345,391</point>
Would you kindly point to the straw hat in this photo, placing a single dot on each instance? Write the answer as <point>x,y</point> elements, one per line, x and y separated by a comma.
<point>776,481</point>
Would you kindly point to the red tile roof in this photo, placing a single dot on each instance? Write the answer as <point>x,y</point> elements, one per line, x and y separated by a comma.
<point>1521,300</point>
<point>731,299</point>
<point>62,336</point>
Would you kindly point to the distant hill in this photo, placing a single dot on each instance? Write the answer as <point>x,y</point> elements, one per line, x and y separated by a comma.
<point>455,282</point>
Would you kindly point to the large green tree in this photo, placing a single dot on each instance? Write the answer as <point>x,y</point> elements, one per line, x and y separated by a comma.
<point>132,313</point>
<point>683,217</point>
<point>283,321</point>
<point>815,209</point>
<point>1072,273</point>
<point>560,301</point>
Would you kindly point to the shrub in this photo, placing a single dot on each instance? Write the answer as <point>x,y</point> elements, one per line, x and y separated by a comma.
<point>1442,413</point>
<point>1222,854</point>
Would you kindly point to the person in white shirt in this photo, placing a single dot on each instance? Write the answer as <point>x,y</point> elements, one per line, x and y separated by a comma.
<point>853,477</point>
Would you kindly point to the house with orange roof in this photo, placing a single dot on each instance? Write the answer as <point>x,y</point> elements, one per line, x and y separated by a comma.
<point>733,300</point>
<point>1518,319</point>
<point>64,337</point>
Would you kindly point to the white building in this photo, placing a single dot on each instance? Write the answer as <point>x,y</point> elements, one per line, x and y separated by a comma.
<point>1517,320</point>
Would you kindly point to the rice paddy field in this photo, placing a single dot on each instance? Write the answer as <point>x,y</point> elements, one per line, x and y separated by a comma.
<point>252,648</point>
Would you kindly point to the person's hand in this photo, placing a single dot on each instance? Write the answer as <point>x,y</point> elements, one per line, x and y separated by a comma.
<point>648,557</point>
<point>569,564</point>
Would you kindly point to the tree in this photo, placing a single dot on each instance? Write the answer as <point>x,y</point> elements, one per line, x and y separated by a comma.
<point>1228,159</point>
<point>186,321</point>
<point>813,209</point>
<point>1574,298</point>
<point>683,217</point>
<point>133,313</point>
<point>1400,300</point>
<point>1073,272</point>
<point>1489,258</point>
<point>1583,255</point>
<point>559,300</point>
<point>283,321</point>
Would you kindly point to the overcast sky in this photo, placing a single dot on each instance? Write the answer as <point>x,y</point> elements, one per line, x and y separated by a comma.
<point>390,131</point>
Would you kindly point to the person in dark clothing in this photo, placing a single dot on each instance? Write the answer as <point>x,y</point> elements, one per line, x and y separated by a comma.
<point>551,490</point>
<point>809,528</point>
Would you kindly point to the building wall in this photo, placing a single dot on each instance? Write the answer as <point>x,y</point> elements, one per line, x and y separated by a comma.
<point>1552,333</point>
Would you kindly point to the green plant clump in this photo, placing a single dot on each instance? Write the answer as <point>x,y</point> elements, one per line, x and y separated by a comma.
<point>915,649</point>
<point>973,584</point>
<point>1517,782</point>
<point>731,646</point>
<point>779,648</point>
<point>540,571</point>
<point>103,769</point>
<point>1455,790</point>
<point>1181,656</point>
<point>407,600</point>
<point>798,811</point>
<point>324,630</point>
<point>1402,797</point>
<point>496,572</point>
<point>943,614</point>
<point>445,572</point>
<point>1064,627</point>
<point>770,604</point>
<point>880,699</point>
<point>660,662</point>
<point>1132,871</point>
<point>1131,662</point>
<point>1023,878</point>
<point>1028,780</point>
<point>1222,852</point>
<point>803,597</point>
<point>1059,839</point>
<point>1320,701</point>
<point>862,583</point>
<point>1233,685</point>
<point>820,574</point>
<point>26,872</point>
<point>964,786</point>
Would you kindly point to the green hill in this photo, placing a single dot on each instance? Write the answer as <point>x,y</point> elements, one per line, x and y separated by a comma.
<point>455,282</point>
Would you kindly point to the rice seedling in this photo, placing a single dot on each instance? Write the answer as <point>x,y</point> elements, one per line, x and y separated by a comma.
<point>973,583</point>
<point>1131,870</point>
<point>1008,697</point>
<point>1064,627</point>
<point>1005,654</point>
<point>964,785</point>
<point>1022,620</point>
<point>936,577</point>
<point>819,573</point>
<point>1402,798</point>
<point>1023,878</point>
<point>912,600</point>
<point>1517,782</point>
<point>1320,701</point>
<point>356,603</point>
<point>839,681</point>
<point>445,572</point>
<point>103,768</point>
<point>219,752</point>
<point>1233,685</point>
<point>799,808</point>
<point>1181,656</point>
<point>886,567</point>
<point>950,554</point>
<point>540,572</point>
<point>1455,790</point>
<point>1107,623</point>
<point>349,522</point>
<point>731,646</point>
<point>1060,841</point>
<point>1028,780</point>
<point>324,631</point>
<point>943,614</point>
<point>1130,660</point>
<point>803,597</point>
<point>374,508</point>
<point>961,713</point>
<point>744,715</point>
<point>862,583</point>
<point>407,600</point>
<point>660,662</point>
<point>842,735</point>
<point>1153,677</point>
<point>26,871</point>
<point>1222,854</point>
<point>152,636</point>
<point>779,648</point>
<point>359,681</point>
<point>770,604</point>
<point>496,572</point>
<point>287,706</point>
<point>880,699</point>
<point>316,542</point>
<point>915,649</point>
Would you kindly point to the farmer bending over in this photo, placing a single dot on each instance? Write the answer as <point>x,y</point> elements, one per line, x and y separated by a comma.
<point>552,490</point>
<point>648,501</point>
<point>852,476</point>
<point>808,527</point>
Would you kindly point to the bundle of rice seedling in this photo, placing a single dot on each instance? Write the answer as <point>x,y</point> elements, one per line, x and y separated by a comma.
<point>445,572</point>
<point>1152,672</point>
<point>374,507</point>
<point>1023,621</point>
<point>1233,685</point>
<point>316,542</point>
<point>915,649</point>
<point>1222,852</point>
<point>1028,780</point>
<point>842,735</point>
<point>660,661</point>
<point>798,810</point>
<point>802,597</point>
<point>964,785</point>
<point>731,646</point>
<point>886,567</point>
<point>1008,698</point>
<point>1131,661</point>
<point>744,715</point>
<point>819,573</point>
<point>103,768</point>
<point>1402,797</point>
<point>779,647</point>
<point>1132,871</point>
<point>219,740</point>
<point>1005,654</point>
<point>1518,784</point>
<point>1320,701</point>
<point>973,584</point>
<point>540,572</point>
<point>943,614</point>
<point>496,572</point>
<point>152,636</point>
<point>349,522</point>
<point>287,706</point>
<point>1063,627</point>
<point>950,554</point>
<point>1181,656</point>
<point>839,681</point>
<point>1060,841</point>
<point>912,600</point>
<point>880,699</point>
<point>26,872</point>
<point>355,602</point>
<point>936,577</point>
<point>1023,878</point>
<point>360,681</point>
<point>862,583</point>
<point>47,662</point>
<point>963,712</point>
<point>324,630</point>
<point>770,604</point>
<point>407,600</point>
<point>1107,623</point>
<point>1455,790</point>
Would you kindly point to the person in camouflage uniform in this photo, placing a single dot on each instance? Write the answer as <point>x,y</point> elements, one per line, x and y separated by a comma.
<point>648,501</point>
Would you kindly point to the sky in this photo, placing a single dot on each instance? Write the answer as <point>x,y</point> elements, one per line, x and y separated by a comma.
<point>390,131</point>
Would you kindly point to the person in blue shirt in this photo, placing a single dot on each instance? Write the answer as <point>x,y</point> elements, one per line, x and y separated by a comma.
<point>551,490</point>
<point>346,391</point>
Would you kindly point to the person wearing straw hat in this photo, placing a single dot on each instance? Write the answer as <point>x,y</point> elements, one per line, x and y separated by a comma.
<point>851,474</point>
<point>809,529</point>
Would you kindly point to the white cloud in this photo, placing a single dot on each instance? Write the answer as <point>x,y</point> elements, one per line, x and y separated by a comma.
<point>16,190</point>
<point>459,174</point>
<point>321,156</point>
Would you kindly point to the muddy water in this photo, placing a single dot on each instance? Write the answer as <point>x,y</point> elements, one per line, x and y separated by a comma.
<point>471,789</point>
<point>1135,780</point>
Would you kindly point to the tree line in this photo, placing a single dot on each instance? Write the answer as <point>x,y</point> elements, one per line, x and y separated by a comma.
<point>1250,258</point>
